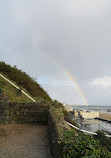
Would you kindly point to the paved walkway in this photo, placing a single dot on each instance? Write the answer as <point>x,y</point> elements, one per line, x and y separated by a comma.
<point>24,141</point>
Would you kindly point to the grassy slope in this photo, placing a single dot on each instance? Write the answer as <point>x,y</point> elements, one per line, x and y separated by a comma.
<point>24,81</point>
<point>12,93</point>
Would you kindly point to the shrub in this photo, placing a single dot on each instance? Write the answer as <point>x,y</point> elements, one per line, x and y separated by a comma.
<point>103,140</point>
<point>82,147</point>
<point>66,114</point>
<point>56,104</point>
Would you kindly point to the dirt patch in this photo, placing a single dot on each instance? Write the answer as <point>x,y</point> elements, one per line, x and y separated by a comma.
<point>24,141</point>
<point>3,133</point>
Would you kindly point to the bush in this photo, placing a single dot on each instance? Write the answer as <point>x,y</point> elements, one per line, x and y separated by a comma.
<point>56,104</point>
<point>103,140</point>
<point>66,114</point>
<point>82,147</point>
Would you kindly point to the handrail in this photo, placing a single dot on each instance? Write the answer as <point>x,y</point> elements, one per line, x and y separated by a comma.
<point>84,130</point>
<point>18,88</point>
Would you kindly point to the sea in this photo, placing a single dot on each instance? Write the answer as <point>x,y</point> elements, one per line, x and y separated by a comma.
<point>101,108</point>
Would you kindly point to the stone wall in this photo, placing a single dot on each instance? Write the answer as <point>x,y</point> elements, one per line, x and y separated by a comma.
<point>105,116</point>
<point>86,114</point>
<point>53,137</point>
<point>23,113</point>
<point>90,115</point>
<point>56,127</point>
<point>34,113</point>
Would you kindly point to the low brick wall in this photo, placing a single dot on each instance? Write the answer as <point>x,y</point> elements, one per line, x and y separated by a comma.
<point>23,113</point>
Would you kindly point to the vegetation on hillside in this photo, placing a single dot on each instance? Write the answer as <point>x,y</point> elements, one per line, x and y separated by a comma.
<point>13,94</point>
<point>104,141</point>
<point>23,80</point>
<point>82,146</point>
<point>74,144</point>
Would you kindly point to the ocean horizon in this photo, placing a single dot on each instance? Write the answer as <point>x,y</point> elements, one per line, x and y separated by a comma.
<point>90,107</point>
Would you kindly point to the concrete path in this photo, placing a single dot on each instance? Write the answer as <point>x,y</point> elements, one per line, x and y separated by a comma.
<point>24,141</point>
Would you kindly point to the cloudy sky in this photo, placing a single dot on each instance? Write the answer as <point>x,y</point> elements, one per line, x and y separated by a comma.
<point>64,44</point>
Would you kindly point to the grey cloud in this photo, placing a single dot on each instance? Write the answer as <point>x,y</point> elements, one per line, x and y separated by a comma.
<point>76,33</point>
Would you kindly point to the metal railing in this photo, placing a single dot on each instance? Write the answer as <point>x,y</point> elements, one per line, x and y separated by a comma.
<point>18,88</point>
<point>84,131</point>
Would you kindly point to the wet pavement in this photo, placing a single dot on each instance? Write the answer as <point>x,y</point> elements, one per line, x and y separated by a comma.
<point>24,141</point>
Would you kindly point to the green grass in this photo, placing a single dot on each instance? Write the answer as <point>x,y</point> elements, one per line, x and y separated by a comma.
<point>13,94</point>
<point>22,79</point>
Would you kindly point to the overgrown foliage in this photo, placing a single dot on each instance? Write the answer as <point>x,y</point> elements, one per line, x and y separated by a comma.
<point>103,140</point>
<point>81,147</point>
<point>74,144</point>
<point>22,79</point>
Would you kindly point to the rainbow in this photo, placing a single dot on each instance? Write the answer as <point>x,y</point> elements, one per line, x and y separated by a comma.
<point>74,83</point>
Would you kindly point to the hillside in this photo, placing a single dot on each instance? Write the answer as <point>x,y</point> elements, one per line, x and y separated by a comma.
<point>24,81</point>
<point>13,94</point>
